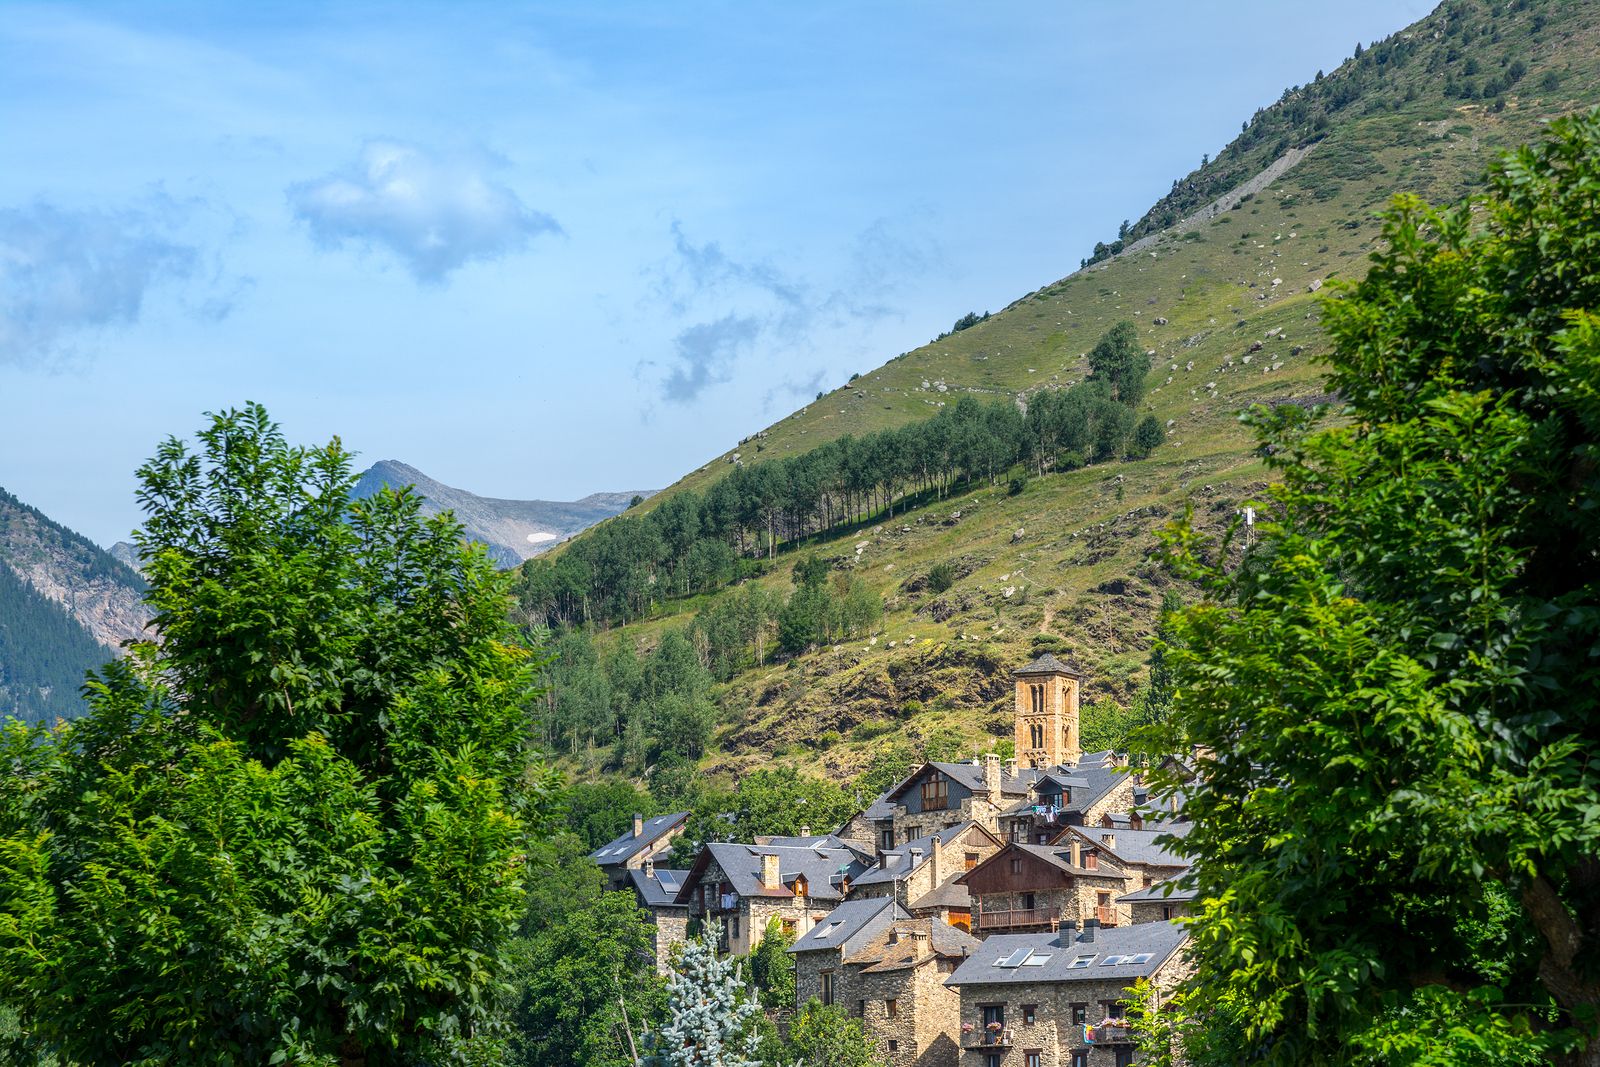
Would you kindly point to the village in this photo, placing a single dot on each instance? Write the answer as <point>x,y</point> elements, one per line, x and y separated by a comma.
<point>991,913</point>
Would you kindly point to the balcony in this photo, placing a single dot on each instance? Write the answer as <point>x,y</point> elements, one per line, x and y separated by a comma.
<point>1115,1032</point>
<point>1020,919</point>
<point>1107,916</point>
<point>981,1039</point>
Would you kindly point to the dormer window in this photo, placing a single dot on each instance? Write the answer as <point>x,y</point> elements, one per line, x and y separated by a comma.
<point>935,793</point>
<point>1091,860</point>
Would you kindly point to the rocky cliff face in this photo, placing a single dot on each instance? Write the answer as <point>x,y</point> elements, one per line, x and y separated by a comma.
<point>103,594</point>
<point>513,530</point>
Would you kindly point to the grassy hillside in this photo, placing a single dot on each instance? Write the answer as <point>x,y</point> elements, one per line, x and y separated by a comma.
<point>1225,292</point>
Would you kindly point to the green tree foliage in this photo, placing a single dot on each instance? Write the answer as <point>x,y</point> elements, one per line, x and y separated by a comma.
<point>712,1021</point>
<point>695,542</point>
<point>777,800</point>
<point>291,828</point>
<point>598,812</point>
<point>1401,675</point>
<point>582,971</point>
<point>772,968</point>
<point>825,1036</point>
<point>1118,359</point>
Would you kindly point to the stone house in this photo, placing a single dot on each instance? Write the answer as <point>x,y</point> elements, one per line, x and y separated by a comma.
<point>1099,788</point>
<point>1055,999</point>
<point>1161,902</point>
<point>820,953</point>
<point>646,840</point>
<point>914,871</point>
<point>1138,852</point>
<point>656,889</point>
<point>744,887</point>
<point>938,796</point>
<point>1039,887</point>
<point>900,995</point>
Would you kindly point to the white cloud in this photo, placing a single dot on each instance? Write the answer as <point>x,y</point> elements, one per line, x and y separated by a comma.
<point>63,273</point>
<point>704,355</point>
<point>436,214</point>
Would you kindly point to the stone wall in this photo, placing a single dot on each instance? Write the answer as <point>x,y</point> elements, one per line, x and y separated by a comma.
<point>671,928</point>
<point>808,968</point>
<point>924,1028</point>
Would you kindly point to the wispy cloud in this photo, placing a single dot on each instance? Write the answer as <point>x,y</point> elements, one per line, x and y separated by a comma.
<point>778,311</point>
<point>704,353</point>
<point>436,213</point>
<point>64,273</point>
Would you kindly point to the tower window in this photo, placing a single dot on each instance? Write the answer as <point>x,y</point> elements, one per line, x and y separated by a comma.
<point>1036,735</point>
<point>1036,694</point>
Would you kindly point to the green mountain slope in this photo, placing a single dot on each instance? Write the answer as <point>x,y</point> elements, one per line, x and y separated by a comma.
<point>1223,279</point>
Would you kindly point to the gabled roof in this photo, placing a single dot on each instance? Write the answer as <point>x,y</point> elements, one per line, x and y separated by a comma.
<point>1049,956</point>
<point>620,850</point>
<point>950,895</point>
<point>845,925</point>
<point>659,888</point>
<point>1058,857</point>
<point>904,944</point>
<point>741,864</point>
<point>968,774</point>
<point>897,863</point>
<point>1131,846</point>
<point>1048,664</point>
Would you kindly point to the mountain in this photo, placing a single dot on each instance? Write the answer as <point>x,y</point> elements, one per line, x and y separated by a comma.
<point>66,606</point>
<point>1223,280</point>
<point>513,530</point>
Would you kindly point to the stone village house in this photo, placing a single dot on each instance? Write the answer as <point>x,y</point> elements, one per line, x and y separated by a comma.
<point>647,840</point>
<point>1041,887</point>
<point>656,889</point>
<point>921,874</point>
<point>797,881</point>
<point>1054,999</point>
<point>888,970</point>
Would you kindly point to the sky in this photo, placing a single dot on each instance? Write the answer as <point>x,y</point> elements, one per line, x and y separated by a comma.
<point>543,250</point>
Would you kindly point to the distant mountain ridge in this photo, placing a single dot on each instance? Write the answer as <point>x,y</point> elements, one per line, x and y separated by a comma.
<point>512,530</point>
<point>66,605</point>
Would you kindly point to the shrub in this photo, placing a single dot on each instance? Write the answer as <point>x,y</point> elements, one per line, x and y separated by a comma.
<point>941,576</point>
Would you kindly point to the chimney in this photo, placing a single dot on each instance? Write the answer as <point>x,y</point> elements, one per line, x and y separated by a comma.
<point>649,866</point>
<point>1075,847</point>
<point>805,831</point>
<point>938,861</point>
<point>638,825</point>
<point>991,777</point>
<point>1011,767</point>
<point>1089,928</point>
<point>770,876</point>
<point>1110,841</point>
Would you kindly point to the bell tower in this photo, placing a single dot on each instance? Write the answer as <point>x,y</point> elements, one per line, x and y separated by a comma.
<point>1047,713</point>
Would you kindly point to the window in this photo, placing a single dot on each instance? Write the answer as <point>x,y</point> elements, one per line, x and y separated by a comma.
<point>1168,911</point>
<point>861,1009</point>
<point>1124,1055</point>
<point>970,860</point>
<point>1036,735</point>
<point>1031,1057</point>
<point>1080,1057</point>
<point>1112,1008</point>
<point>886,838</point>
<point>1016,864</point>
<point>1030,1014</point>
<point>935,793</point>
<point>1036,695</point>
<point>891,1008</point>
<point>1027,902</point>
<point>733,926</point>
<point>992,1060</point>
<point>1080,1014</point>
<point>1148,881</point>
<point>994,1013</point>
<point>788,928</point>
<point>1091,860</point>
<point>894,1046</point>
<point>827,987</point>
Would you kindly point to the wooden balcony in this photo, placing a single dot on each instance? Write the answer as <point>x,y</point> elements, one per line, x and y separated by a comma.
<point>983,1039</point>
<point>1107,916</point>
<point>1020,919</point>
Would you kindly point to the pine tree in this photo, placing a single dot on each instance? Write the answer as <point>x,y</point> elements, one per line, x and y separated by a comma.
<point>710,1017</point>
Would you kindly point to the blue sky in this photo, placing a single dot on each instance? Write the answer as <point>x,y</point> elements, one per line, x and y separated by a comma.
<point>540,250</point>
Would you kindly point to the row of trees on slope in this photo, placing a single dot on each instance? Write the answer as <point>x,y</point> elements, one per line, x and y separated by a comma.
<point>695,542</point>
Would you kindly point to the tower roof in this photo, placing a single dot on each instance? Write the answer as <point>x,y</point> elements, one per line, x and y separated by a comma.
<point>1048,664</point>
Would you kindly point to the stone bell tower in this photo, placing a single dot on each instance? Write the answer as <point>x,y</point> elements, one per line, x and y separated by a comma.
<point>1047,713</point>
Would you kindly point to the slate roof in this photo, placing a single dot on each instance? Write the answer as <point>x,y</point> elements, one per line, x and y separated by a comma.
<point>1048,664</point>
<point>1161,891</point>
<point>658,889</point>
<point>969,775</point>
<point>949,895</point>
<point>1059,856</point>
<point>1160,940</point>
<point>847,921</point>
<point>624,848</point>
<point>906,950</point>
<point>741,864</point>
<point>1132,846</point>
<point>882,808</point>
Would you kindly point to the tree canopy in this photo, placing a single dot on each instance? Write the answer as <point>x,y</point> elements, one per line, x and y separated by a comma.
<point>1393,693</point>
<point>289,829</point>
